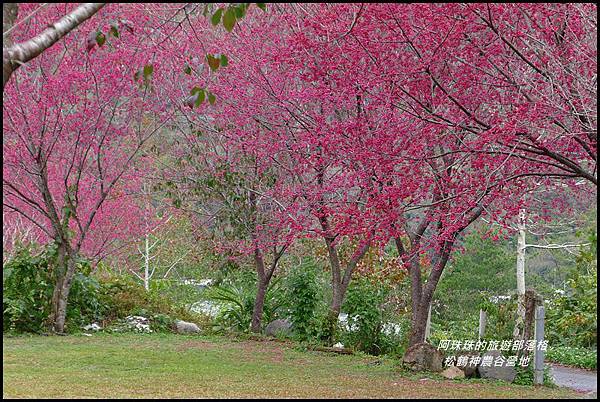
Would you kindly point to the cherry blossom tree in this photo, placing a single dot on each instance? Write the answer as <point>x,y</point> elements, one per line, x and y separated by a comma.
<point>381,132</point>
<point>235,199</point>
<point>358,124</point>
<point>72,132</point>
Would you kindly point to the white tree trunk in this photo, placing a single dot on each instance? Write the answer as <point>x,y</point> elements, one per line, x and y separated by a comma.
<point>16,54</point>
<point>521,245</point>
<point>147,265</point>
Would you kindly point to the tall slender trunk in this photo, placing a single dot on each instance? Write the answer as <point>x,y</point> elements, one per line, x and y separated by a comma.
<point>147,265</point>
<point>59,271</point>
<point>62,288</point>
<point>419,324</point>
<point>336,280</point>
<point>259,304</point>
<point>518,331</point>
<point>422,294</point>
<point>264,278</point>
<point>340,279</point>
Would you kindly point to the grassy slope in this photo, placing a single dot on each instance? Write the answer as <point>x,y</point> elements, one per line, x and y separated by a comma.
<point>191,366</point>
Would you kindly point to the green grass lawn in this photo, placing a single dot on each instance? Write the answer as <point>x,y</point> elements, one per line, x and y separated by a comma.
<point>170,366</point>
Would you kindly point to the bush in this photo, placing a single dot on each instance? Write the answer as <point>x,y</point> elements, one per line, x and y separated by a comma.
<point>238,302</point>
<point>453,330</point>
<point>365,307</point>
<point>572,318</point>
<point>580,357</point>
<point>303,298</point>
<point>124,297</point>
<point>27,290</point>
<point>161,323</point>
<point>525,376</point>
<point>28,286</point>
<point>501,319</point>
<point>237,299</point>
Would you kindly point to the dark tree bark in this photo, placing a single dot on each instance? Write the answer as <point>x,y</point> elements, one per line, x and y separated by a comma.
<point>264,277</point>
<point>340,276</point>
<point>64,287</point>
<point>422,293</point>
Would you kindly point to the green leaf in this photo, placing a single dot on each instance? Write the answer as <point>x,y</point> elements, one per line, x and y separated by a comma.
<point>229,19</point>
<point>224,61</point>
<point>100,38</point>
<point>216,18</point>
<point>213,62</point>
<point>188,70</point>
<point>212,98</point>
<point>262,6</point>
<point>240,10</point>
<point>148,70</point>
<point>114,31</point>
<point>199,95</point>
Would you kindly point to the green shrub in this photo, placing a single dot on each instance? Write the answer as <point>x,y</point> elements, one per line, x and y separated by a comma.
<point>580,357</point>
<point>303,299</point>
<point>161,322</point>
<point>525,376</point>
<point>28,286</point>
<point>237,299</point>
<point>500,319</point>
<point>364,304</point>
<point>453,330</point>
<point>124,296</point>
<point>572,318</point>
<point>27,290</point>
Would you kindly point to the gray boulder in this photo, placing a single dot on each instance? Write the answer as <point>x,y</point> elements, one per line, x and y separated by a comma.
<point>424,357</point>
<point>453,372</point>
<point>503,372</point>
<point>470,370</point>
<point>184,327</point>
<point>283,327</point>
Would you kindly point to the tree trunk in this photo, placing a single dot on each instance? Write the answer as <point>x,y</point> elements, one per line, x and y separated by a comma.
<point>422,295</point>
<point>518,331</point>
<point>9,16</point>
<point>14,55</point>
<point>147,266</point>
<point>418,323</point>
<point>10,12</point>
<point>264,278</point>
<point>337,299</point>
<point>259,304</point>
<point>532,301</point>
<point>418,327</point>
<point>61,294</point>
<point>337,296</point>
<point>59,270</point>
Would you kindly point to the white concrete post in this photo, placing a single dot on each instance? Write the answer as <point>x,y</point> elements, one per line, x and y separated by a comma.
<point>482,322</point>
<point>538,363</point>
